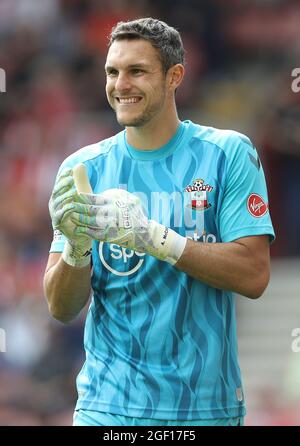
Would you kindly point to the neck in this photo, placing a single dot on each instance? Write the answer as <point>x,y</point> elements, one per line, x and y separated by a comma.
<point>154,134</point>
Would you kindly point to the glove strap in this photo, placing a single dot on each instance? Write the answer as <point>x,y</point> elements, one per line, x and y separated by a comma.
<point>78,255</point>
<point>167,244</point>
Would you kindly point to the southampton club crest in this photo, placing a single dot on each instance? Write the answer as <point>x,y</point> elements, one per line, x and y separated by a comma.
<point>198,192</point>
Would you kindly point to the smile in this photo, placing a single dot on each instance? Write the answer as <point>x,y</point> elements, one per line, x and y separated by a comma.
<point>127,101</point>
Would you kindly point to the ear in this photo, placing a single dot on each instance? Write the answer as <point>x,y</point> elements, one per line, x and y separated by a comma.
<point>175,75</point>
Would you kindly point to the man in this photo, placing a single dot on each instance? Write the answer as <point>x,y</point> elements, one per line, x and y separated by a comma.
<point>160,335</point>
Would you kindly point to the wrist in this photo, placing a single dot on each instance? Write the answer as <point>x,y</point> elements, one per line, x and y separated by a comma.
<point>168,245</point>
<point>77,253</point>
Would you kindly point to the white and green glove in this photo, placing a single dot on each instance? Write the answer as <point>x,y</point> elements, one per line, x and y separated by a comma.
<point>77,250</point>
<point>116,216</point>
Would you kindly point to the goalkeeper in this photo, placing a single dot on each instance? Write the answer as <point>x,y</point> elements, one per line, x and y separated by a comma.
<point>160,332</point>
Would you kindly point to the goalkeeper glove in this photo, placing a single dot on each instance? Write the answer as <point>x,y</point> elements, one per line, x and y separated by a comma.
<point>77,249</point>
<point>116,216</point>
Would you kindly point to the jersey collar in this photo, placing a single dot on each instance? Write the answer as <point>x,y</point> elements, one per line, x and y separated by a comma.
<point>161,152</point>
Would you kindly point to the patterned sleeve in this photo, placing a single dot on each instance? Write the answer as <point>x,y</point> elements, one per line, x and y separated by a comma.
<point>244,210</point>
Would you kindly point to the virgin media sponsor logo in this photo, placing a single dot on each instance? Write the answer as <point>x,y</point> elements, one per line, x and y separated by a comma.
<point>256,205</point>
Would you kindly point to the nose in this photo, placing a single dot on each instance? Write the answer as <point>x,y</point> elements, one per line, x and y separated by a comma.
<point>122,82</point>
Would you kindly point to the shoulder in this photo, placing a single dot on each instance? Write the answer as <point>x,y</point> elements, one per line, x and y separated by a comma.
<point>91,152</point>
<point>230,142</point>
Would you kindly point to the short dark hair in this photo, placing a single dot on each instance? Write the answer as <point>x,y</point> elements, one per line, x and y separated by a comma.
<point>162,37</point>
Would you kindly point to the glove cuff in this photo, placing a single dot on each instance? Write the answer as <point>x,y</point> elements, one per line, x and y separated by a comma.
<point>167,244</point>
<point>75,254</point>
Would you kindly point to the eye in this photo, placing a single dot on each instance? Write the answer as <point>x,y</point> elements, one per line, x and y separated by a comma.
<point>111,73</point>
<point>137,71</point>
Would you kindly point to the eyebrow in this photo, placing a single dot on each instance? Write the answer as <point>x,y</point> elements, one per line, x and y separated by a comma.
<point>136,65</point>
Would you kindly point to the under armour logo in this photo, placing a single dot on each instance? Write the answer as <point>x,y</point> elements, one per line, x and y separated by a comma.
<point>254,160</point>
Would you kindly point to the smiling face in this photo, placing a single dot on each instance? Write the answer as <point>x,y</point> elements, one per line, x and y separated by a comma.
<point>136,86</point>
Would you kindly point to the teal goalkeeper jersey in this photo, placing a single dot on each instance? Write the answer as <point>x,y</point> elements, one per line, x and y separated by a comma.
<point>160,344</point>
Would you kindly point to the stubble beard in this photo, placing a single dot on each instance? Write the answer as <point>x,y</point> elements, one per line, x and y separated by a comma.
<point>144,117</point>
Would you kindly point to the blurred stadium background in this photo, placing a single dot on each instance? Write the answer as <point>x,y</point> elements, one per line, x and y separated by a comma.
<point>240,56</point>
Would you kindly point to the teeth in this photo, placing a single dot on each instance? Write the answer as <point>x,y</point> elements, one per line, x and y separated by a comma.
<point>128,100</point>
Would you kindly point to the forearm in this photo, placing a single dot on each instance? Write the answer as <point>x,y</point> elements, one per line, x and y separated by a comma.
<point>240,266</point>
<point>67,290</point>
<point>227,266</point>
